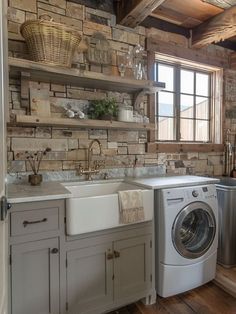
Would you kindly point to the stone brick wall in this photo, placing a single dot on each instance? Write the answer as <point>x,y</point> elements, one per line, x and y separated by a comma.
<point>120,148</point>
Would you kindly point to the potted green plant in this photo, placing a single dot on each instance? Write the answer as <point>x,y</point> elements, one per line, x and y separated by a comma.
<point>103,109</point>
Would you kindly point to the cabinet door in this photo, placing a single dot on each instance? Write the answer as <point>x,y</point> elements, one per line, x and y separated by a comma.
<point>89,278</point>
<point>132,267</point>
<point>35,277</point>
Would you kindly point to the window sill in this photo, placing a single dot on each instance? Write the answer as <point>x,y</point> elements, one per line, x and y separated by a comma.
<point>184,148</point>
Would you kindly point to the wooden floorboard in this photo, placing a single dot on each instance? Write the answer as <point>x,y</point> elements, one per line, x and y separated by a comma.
<point>175,305</point>
<point>208,299</point>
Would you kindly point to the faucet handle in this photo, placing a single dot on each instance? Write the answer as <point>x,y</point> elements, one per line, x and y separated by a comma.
<point>105,176</point>
<point>98,164</point>
<point>79,169</point>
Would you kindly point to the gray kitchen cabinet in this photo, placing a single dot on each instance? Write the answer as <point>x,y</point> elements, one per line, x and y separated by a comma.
<point>35,277</point>
<point>132,267</point>
<point>35,230</point>
<point>92,274</point>
<point>89,278</point>
<point>104,276</point>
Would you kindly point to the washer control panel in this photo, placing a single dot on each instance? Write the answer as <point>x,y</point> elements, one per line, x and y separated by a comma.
<point>177,196</point>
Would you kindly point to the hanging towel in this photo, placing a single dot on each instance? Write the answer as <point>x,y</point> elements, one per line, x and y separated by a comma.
<point>131,206</point>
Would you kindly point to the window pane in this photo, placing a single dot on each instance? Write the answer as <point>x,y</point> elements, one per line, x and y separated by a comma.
<point>186,106</point>
<point>166,129</point>
<point>165,104</point>
<point>186,130</point>
<point>202,84</point>
<point>202,130</point>
<point>166,75</point>
<point>186,81</point>
<point>202,108</point>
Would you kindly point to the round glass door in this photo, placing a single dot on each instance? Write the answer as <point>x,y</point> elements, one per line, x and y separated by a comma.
<point>194,230</point>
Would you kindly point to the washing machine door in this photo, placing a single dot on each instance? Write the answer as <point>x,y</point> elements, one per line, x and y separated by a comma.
<point>193,230</point>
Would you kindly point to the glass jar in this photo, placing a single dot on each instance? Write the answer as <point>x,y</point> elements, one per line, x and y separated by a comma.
<point>125,113</point>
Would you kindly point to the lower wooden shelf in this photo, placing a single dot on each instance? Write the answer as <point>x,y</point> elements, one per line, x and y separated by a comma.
<point>76,123</point>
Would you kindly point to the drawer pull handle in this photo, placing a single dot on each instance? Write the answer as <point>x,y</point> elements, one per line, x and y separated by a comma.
<point>26,223</point>
<point>54,250</point>
<point>116,254</point>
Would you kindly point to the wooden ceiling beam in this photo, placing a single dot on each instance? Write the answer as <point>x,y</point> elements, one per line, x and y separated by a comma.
<point>132,13</point>
<point>165,26</point>
<point>216,29</point>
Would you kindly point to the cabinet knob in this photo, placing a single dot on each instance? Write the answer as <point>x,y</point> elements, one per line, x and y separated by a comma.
<point>109,255</point>
<point>54,250</point>
<point>116,254</point>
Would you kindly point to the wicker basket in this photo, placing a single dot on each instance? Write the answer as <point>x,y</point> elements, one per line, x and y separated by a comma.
<point>50,42</point>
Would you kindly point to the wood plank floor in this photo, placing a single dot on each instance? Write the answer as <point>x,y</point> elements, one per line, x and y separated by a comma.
<point>208,299</point>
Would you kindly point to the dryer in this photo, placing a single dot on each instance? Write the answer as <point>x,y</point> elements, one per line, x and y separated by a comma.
<point>186,226</point>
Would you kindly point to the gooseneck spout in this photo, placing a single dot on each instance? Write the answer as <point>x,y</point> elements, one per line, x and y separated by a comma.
<point>92,168</point>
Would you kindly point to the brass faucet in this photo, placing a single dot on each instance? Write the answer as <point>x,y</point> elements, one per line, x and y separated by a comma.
<point>96,167</point>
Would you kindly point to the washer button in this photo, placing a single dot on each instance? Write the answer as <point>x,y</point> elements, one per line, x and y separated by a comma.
<point>195,193</point>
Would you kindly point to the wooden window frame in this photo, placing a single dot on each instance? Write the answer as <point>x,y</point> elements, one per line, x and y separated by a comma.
<point>177,102</point>
<point>217,110</point>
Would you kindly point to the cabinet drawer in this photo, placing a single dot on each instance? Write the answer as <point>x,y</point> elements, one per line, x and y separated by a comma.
<point>34,221</point>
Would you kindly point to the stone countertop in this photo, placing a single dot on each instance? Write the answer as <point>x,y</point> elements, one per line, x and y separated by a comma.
<point>163,182</point>
<point>20,193</point>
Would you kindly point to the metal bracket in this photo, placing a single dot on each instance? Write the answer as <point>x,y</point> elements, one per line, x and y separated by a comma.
<point>4,207</point>
<point>152,89</point>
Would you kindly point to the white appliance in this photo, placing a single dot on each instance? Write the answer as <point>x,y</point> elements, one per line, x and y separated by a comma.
<point>186,222</point>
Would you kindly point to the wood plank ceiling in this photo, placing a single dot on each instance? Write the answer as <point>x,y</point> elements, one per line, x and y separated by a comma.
<point>209,21</point>
<point>186,13</point>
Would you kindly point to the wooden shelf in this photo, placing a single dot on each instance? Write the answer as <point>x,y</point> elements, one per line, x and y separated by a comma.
<point>47,73</point>
<point>75,123</point>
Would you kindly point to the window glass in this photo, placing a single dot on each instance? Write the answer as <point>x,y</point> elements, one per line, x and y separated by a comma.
<point>165,73</point>
<point>202,130</point>
<point>186,81</point>
<point>166,128</point>
<point>186,106</point>
<point>166,104</point>
<point>202,84</point>
<point>186,129</point>
<point>202,108</point>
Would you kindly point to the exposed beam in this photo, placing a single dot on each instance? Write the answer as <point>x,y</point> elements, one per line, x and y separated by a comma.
<point>227,44</point>
<point>170,49</point>
<point>131,13</point>
<point>216,29</point>
<point>151,21</point>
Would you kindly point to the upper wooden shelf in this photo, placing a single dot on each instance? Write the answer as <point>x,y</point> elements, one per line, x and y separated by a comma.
<point>47,73</point>
<point>77,123</point>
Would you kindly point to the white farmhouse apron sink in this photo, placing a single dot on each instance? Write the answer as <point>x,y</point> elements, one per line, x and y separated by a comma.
<point>94,206</point>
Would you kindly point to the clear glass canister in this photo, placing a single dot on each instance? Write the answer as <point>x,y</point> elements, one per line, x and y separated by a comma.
<point>125,113</point>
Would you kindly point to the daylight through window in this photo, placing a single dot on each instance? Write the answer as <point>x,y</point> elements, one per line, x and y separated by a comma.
<point>184,108</point>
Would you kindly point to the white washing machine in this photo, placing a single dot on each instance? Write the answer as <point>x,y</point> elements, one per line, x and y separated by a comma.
<point>186,222</point>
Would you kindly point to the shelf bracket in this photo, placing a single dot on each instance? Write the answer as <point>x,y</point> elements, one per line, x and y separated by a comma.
<point>138,97</point>
<point>24,89</point>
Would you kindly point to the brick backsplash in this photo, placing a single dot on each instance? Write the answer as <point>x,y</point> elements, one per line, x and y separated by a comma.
<point>121,149</point>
